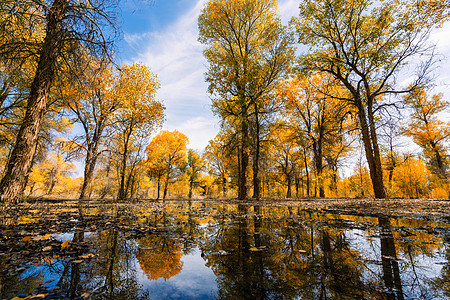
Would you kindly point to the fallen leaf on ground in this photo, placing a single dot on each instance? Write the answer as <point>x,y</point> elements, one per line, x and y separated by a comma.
<point>26,239</point>
<point>90,255</point>
<point>48,248</point>
<point>65,244</point>
<point>39,296</point>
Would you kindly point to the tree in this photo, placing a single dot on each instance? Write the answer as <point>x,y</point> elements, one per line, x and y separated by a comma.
<point>70,25</point>
<point>218,160</point>
<point>285,154</point>
<point>428,131</point>
<point>249,50</point>
<point>90,99</point>
<point>194,167</point>
<point>51,172</point>
<point>166,154</point>
<point>411,178</point>
<point>364,45</point>
<point>315,115</point>
<point>138,116</point>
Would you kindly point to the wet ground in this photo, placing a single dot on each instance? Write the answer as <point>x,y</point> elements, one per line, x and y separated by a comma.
<point>318,249</point>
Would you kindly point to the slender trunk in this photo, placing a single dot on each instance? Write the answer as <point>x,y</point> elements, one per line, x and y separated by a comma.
<point>307,174</point>
<point>89,167</point>
<point>256,184</point>
<point>372,153</point>
<point>122,192</point>
<point>91,161</point>
<point>289,183</point>
<point>166,186</point>
<point>318,160</point>
<point>14,181</point>
<point>191,186</point>
<point>243,162</point>
<point>159,186</point>
<point>379,190</point>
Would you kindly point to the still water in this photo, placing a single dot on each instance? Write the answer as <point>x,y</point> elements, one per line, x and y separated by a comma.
<point>213,250</point>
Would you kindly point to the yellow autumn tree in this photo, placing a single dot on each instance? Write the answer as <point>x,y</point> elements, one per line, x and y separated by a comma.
<point>364,45</point>
<point>429,132</point>
<point>166,155</point>
<point>411,178</point>
<point>248,51</point>
<point>140,113</point>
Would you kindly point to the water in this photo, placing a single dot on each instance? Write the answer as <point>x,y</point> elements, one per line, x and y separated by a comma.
<point>212,250</point>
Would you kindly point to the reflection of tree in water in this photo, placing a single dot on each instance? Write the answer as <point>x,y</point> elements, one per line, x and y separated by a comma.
<point>389,261</point>
<point>295,262</point>
<point>442,283</point>
<point>320,264</point>
<point>241,274</point>
<point>160,256</point>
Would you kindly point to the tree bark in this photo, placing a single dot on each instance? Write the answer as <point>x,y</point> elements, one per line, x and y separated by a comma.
<point>243,162</point>
<point>122,192</point>
<point>289,183</point>
<point>256,183</point>
<point>308,192</point>
<point>14,181</point>
<point>372,151</point>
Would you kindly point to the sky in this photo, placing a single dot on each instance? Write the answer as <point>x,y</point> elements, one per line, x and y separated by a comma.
<point>163,34</point>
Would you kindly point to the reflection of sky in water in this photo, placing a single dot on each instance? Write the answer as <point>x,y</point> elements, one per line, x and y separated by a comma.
<point>195,281</point>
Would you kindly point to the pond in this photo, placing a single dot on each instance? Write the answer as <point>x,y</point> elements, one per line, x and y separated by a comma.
<point>219,250</point>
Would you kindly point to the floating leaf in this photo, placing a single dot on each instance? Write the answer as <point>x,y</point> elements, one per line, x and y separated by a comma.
<point>85,295</point>
<point>254,249</point>
<point>90,255</point>
<point>48,248</point>
<point>78,261</point>
<point>26,239</point>
<point>65,244</point>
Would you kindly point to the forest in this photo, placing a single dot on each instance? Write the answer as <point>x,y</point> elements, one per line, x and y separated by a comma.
<point>329,105</point>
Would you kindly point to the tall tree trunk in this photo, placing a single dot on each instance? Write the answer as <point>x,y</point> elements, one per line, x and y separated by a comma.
<point>122,192</point>
<point>256,183</point>
<point>289,183</point>
<point>318,162</point>
<point>89,167</point>
<point>159,186</point>
<point>14,180</point>
<point>243,162</point>
<point>90,163</point>
<point>166,186</point>
<point>308,192</point>
<point>372,151</point>
<point>191,186</point>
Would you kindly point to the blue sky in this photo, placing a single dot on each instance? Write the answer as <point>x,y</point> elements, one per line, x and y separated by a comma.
<point>163,35</point>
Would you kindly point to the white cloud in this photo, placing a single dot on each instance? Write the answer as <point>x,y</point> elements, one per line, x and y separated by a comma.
<point>288,9</point>
<point>175,55</point>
